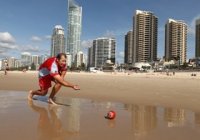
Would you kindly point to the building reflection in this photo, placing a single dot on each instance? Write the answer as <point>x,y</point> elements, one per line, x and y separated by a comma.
<point>143,118</point>
<point>72,116</point>
<point>174,117</point>
<point>197,119</point>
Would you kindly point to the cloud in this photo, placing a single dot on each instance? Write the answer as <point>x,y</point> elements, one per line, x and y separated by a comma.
<point>7,42</point>
<point>48,37</point>
<point>36,38</point>
<point>8,46</point>
<point>6,37</point>
<point>39,39</point>
<point>1,51</point>
<point>192,25</point>
<point>29,48</point>
<point>109,34</point>
<point>116,33</point>
<point>4,55</point>
<point>86,43</point>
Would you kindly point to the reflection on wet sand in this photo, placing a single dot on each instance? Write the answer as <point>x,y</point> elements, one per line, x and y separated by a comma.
<point>197,119</point>
<point>143,118</point>
<point>71,115</point>
<point>84,119</point>
<point>52,125</point>
<point>49,125</point>
<point>175,117</point>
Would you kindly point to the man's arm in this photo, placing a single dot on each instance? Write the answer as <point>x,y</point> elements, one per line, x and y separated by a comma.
<point>60,80</point>
<point>63,73</point>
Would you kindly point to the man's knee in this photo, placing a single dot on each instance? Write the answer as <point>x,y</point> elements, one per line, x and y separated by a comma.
<point>44,92</point>
<point>58,85</point>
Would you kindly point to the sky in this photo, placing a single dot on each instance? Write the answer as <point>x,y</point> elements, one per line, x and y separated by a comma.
<point>27,25</point>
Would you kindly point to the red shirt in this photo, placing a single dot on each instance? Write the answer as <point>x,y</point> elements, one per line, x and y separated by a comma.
<point>50,68</point>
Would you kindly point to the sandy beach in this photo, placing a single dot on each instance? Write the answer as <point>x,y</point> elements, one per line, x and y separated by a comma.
<point>149,106</point>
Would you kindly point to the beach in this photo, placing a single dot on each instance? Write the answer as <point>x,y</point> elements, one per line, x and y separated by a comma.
<point>148,105</point>
<point>140,88</point>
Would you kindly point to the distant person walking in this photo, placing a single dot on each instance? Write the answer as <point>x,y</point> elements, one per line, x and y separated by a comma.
<point>53,69</point>
<point>6,68</point>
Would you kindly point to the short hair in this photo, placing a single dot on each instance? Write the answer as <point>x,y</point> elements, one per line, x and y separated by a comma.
<point>60,55</point>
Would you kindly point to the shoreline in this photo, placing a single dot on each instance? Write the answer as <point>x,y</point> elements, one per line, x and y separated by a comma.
<point>181,90</point>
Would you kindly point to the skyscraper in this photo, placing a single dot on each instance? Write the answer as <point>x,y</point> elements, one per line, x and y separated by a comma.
<point>175,40</point>
<point>74,29</point>
<point>80,59</point>
<point>35,60</point>
<point>11,62</point>
<point>26,58</point>
<point>103,49</point>
<point>90,57</point>
<point>145,28</point>
<point>128,58</point>
<point>57,41</point>
<point>197,51</point>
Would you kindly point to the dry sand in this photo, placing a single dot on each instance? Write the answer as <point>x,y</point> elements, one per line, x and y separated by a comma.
<point>150,106</point>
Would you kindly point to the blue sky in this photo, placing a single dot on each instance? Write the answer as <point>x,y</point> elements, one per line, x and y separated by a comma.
<point>26,25</point>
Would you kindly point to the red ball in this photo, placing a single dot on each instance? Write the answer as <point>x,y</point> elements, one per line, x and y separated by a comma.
<point>111,115</point>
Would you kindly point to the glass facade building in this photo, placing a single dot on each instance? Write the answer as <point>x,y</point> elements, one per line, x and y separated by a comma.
<point>74,29</point>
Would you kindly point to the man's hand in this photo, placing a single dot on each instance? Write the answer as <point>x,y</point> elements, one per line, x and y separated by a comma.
<point>76,87</point>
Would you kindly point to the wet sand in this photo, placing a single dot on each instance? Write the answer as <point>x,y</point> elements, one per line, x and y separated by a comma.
<point>148,107</point>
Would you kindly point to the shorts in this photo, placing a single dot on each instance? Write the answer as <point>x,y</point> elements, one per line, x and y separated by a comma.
<point>45,82</point>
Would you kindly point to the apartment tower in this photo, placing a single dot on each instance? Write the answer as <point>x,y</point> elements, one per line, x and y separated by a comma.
<point>145,28</point>
<point>175,40</point>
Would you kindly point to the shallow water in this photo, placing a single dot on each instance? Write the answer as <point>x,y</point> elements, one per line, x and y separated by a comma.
<point>84,119</point>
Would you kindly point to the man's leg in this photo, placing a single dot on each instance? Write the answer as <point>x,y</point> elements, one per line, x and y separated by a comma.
<point>42,92</point>
<point>55,90</point>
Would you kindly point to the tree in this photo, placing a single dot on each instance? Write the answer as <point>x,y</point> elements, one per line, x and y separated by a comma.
<point>33,66</point>
<point>83,67</point>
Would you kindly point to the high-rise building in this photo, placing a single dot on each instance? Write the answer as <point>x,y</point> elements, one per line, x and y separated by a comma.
<point>69,59</point>
<point>74,29</point>
<point>80,59</point>
<point>128,57</point>
<point>26,59</point>
<point>35,61</point>
<point>103,49</point>
<point>175,40</point>
<point>43,58</point>
<point>197,51</point>
<point>11,62</point>
<point>57,41</point>
<point>90,57</point>
<point>4,63</point>
<point>0,64</point>
<point>145,28</point>
<point>18,63</point>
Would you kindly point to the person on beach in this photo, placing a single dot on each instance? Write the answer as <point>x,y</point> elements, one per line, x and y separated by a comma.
<point>6,68</point>
<point>53,69</point>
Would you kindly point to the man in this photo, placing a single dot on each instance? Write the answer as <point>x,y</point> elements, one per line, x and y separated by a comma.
<point>53,69</point>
